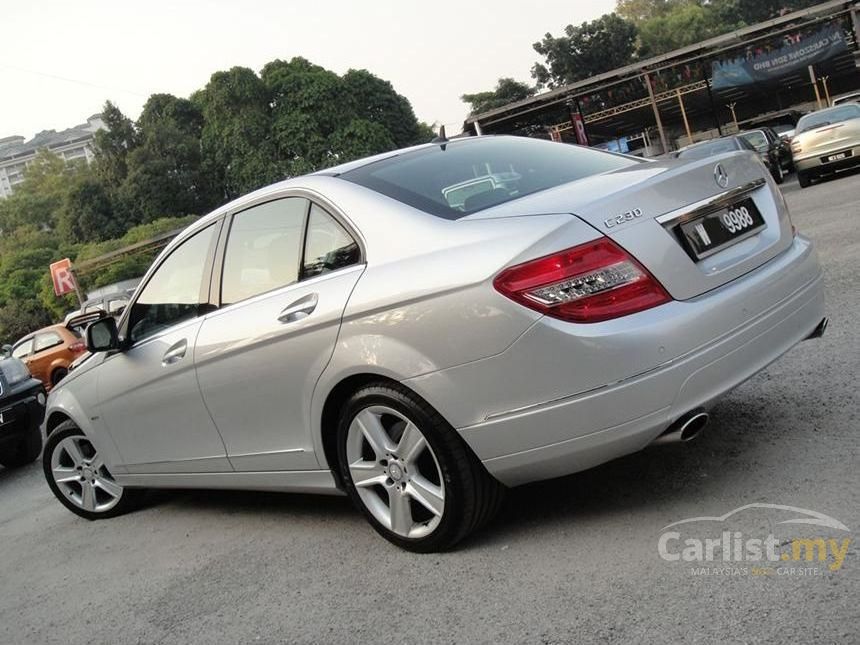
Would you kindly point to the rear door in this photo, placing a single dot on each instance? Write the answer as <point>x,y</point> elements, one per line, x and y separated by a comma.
<point>288,269</point>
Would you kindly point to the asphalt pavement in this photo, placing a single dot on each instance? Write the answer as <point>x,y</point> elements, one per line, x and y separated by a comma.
<point>573,560</point>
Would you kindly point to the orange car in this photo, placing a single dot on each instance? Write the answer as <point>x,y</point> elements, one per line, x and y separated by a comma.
<point>49,352</point>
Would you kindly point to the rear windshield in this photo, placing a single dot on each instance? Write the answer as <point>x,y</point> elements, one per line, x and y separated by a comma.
<point>756,138</point>
<point>702,150</point>
<point>464,177</point>
<point>826,117</point>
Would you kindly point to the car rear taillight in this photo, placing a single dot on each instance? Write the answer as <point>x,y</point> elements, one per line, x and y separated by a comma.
<point>795,147</point>
<point>589,283</point>
<point>78,347</point>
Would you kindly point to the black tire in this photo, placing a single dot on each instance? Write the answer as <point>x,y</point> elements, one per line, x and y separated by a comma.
<point>803,179</point>
<point>778,175</point>
<point>129,498</point>
<point>472,495</point>
<point>58,375</point>
<point>26,450</point>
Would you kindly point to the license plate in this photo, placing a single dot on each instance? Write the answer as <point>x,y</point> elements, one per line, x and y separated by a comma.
<point>710,233</point>
<point>837,157</point>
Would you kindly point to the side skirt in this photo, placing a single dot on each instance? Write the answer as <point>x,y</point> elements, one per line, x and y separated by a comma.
<point>296,481</point>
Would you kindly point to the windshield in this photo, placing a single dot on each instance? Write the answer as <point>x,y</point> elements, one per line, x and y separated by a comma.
<point>826,117</point>
<point>702,150</point>
<point>756,139</point>
<point>466,176</point>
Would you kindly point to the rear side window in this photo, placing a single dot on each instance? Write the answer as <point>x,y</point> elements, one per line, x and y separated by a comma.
<point>264,249</point>
<point>47,340</point>
<point>463,177</point>
<point>327,246</point>
<point>23,349</point>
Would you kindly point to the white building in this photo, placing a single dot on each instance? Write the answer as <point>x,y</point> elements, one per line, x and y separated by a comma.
<point>71,144</point>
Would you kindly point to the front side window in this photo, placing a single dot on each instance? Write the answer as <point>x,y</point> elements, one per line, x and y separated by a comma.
<point>23,350</point>
<point>327,246</point>
<point>47,340</point>
<point>173,293</point>
<point>264,249</point>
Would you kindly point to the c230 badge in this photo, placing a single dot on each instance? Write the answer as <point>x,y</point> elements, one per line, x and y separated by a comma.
<point>627,216</point>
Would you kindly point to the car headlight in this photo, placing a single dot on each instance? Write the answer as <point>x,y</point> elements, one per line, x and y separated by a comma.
<point>14,370</point>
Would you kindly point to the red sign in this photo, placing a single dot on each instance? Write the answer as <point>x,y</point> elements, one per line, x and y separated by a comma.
<point>64,279</point>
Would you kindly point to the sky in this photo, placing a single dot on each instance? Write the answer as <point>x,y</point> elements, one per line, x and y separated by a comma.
<point>60,60</point>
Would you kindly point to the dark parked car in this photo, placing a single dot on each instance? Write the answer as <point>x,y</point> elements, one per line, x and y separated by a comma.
<point>771,145</point>
<point>22,409</point>
<point>727,144</point>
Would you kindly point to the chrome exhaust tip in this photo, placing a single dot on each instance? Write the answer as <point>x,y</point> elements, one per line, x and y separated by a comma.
<point>685,429</point>
<point>819,330</point>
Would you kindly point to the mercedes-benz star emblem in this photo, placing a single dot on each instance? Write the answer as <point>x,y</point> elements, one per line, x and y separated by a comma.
<point>721,176</point>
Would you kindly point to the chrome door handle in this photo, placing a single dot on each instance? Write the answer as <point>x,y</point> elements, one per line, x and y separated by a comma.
<point>175,353</point>
<point>301,308</point>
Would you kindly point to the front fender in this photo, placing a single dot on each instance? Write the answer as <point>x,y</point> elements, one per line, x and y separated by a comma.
<point>63,404</point>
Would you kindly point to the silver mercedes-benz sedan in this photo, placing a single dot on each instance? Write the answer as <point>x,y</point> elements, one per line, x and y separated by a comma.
<point>426,327</point>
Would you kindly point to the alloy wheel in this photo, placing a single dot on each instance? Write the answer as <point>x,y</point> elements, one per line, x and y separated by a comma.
<point>80,474</point>
<point>395,471</point>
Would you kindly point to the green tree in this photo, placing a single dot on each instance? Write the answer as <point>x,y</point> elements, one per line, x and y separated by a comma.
<point>39,199</point>
<point>507,91</point>
<point>637,11</point>
<point>685,24</point>
<point>112,145</point>
<point>238,153</point>
<point>589,49</point>
<point>88,214</point>
<point>374,99</point>
<point>166,171</point>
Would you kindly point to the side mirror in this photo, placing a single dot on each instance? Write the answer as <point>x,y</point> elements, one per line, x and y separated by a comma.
<point>6,351</point>
<point>102,336</point>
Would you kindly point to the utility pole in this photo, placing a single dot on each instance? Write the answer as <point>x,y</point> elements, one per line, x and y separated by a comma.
<point>824,80</point>
<point>731,106</point>
<point>664,142</point>
<point>815,85</point>
<point>684,115</point>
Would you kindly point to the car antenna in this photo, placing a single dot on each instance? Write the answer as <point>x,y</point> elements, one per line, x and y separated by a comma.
<point>441,138</point>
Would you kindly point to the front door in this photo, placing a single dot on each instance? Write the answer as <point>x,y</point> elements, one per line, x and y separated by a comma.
<point>148,394</point>
<point>288,270</point>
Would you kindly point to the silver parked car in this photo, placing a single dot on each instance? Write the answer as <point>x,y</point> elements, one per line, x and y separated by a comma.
<point>423,328</point>
<point>826,141</point>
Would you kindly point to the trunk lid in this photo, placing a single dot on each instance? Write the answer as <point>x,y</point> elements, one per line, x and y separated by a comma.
<point>641,208</point>
<point>827,139</point>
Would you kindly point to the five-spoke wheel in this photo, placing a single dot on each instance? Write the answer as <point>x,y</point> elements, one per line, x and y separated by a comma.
<point>395,472</point>
<point>78,476</point>
<point>409,471</point>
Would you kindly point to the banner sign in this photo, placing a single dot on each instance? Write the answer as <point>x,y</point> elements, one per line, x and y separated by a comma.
<point>771,66</point>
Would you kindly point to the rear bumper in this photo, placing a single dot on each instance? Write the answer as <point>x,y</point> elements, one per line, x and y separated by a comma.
<point>577,432</point>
